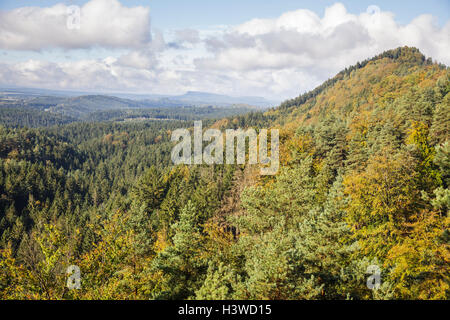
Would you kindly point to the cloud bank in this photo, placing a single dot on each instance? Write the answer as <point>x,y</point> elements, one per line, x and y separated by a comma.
<point>104,23</point>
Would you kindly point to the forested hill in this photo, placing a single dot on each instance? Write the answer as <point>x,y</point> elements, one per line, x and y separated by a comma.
<point>363,185</point>
<point>392,79</point>
<point>365,176</point>
<point>406,60</point>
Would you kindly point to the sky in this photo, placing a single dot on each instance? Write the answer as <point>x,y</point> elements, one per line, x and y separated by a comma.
<point>271,48</point>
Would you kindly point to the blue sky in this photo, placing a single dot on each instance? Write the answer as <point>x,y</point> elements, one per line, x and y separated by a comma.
<point>271,48</point>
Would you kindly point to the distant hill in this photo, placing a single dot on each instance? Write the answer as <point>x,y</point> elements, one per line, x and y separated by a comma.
<point>83,105</point>
<point>75,102</point>
<point>31,110</point>
<point>211,98</point>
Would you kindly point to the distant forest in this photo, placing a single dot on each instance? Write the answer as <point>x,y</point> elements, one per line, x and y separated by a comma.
<point>45,111</point>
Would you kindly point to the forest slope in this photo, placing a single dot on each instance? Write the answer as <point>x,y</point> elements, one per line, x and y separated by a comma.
<point>364,181</point>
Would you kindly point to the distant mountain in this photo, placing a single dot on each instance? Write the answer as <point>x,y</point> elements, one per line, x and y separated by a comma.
<point>63,109</point>
<point>191,98</point>
<point>37,92</point>
<point>211,98</point>
<point>80,106</point>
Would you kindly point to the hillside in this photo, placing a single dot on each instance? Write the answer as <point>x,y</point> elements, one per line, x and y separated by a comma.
<point>202,98</point>
<point>363,185</point>
<point>364,181</point>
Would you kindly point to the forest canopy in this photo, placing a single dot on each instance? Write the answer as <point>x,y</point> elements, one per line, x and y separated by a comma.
<point>364,181</point>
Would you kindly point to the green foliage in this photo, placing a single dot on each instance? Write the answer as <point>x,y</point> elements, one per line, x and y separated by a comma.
<point>363,181</point>
<point>182,264</point>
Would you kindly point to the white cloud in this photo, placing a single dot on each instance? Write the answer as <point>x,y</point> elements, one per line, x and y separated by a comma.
<point>105,23</point>
<point>146,57</point>
<point>300,38</point>
<point>188,35</point>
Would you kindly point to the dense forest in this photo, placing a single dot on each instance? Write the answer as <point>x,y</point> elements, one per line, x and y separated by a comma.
<point>17,116</point>
<point>364,180</point>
